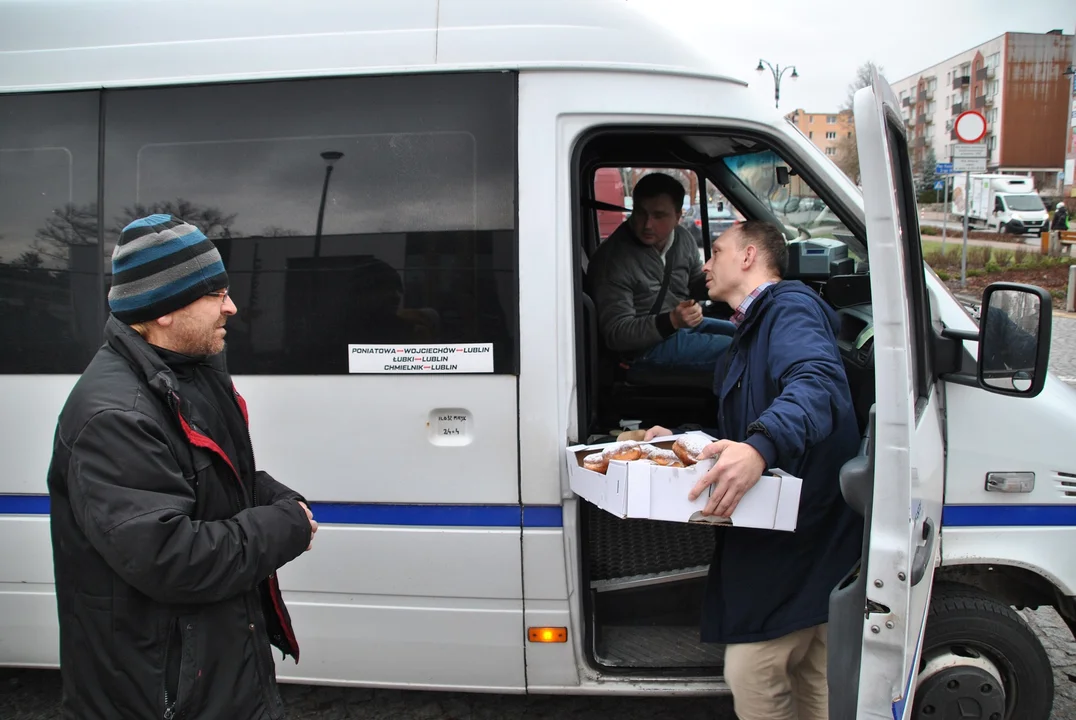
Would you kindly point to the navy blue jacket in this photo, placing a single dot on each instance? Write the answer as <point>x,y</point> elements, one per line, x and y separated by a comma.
<point>782,389</point>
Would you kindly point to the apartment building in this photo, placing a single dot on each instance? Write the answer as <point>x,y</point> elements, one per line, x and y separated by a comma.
<point>1018,82</point>
<point>1069,179</point>
<point>824,129</point>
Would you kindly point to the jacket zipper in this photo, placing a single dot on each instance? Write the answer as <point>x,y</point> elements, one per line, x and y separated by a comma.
<point>170,702</point>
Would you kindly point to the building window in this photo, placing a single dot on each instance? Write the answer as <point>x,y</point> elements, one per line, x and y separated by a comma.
<point>418,241</point>
<point>832,135</point>
<point>849,135</point>
<point>831,151</point>
<point>948,77</point>
<point>831,119</point>
<point>946,102</point>
<point>810,134</point>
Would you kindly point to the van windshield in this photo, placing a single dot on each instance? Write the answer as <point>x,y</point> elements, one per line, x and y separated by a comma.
<point>794,204</point>
<point>1024,203</point>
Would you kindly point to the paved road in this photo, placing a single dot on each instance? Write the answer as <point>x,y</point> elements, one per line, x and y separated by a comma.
<point>33,695</point>
<point>1063,348</point>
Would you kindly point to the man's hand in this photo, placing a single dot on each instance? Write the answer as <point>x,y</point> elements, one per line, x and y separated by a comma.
<point>655,432</point>
<point>313,523</point>
<point>686,315</point>
<point>736,471</point>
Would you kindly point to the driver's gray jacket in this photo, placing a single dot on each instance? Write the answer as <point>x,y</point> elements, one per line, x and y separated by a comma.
<point>625,279</point>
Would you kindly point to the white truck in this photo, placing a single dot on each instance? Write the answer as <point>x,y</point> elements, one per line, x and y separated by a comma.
<point>1005,203</point>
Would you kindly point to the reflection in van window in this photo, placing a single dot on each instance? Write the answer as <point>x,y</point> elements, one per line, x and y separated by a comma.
<point>794,204</point>
<point>343,213</point>
<point>52,285</point>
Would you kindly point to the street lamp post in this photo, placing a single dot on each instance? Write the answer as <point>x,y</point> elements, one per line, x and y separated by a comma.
<point>330,157</point>
<point>778,73</point>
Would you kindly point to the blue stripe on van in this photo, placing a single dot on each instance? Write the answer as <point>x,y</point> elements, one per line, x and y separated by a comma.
<point>547,516</point>
<point>1008,515</point>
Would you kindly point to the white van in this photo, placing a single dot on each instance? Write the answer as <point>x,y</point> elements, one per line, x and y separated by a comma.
<point>414,180</point>
<point>1004,203</point>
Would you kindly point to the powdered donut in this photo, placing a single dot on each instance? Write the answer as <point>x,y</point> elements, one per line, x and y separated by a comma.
<point>688,447</point>
<point>664,457</point>
<point>623,451</point>
<point>596,462</point>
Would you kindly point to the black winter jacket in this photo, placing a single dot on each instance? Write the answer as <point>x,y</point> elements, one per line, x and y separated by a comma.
<point>164,556</point>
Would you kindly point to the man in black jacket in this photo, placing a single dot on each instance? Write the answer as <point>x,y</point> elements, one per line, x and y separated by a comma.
<point>166,538</point>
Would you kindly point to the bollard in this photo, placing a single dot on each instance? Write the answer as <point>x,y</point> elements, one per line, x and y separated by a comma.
<point>1070,302</point>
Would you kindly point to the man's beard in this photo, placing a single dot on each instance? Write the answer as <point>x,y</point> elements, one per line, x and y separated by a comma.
<point>194,339</point>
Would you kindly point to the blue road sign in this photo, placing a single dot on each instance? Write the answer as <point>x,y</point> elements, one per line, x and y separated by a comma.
<point>939,184</point>
<point>943,169</point>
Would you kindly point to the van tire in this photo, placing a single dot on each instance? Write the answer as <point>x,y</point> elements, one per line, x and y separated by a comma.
<point>962,615</point>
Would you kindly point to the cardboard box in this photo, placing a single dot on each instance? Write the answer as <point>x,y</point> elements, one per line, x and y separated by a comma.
<point>636,489</point>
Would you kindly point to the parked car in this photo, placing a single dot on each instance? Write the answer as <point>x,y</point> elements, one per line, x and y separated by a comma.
<point>719,218</point>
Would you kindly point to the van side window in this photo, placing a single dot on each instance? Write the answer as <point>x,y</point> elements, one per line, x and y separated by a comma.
<point>347,210</point>
<point>914,272</point>
<point>52,286</point>
<point>998,207</point>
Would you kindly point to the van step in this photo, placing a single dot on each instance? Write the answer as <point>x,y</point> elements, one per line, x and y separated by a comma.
<point>622,550</point>
<point>635,581</point>
<point>664,646</point>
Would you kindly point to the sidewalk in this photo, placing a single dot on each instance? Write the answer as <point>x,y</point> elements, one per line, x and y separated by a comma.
<point>956,233</point>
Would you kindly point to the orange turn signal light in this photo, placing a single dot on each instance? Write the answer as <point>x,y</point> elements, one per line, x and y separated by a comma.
<point>547,634</point>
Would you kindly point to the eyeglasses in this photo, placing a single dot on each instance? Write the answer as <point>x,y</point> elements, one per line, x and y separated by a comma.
<point>219,294</point>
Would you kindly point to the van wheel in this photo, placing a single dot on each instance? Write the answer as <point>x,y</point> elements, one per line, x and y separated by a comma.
<point>980,659</point>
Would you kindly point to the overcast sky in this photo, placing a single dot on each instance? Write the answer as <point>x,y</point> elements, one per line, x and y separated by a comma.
<point>827,39</point>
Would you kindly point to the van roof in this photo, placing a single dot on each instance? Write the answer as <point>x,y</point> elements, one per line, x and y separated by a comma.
<point>65,44</point>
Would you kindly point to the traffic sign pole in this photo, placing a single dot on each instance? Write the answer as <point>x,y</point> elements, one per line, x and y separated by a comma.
<point>964,255</point>
<point>970,128</point>
<point>945,222</point>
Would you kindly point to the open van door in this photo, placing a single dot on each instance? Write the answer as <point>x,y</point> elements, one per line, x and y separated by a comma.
<point>905,456</point>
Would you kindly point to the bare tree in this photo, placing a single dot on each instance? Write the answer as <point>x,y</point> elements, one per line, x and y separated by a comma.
<point>848,156</point>
<point>210,220</point>
<point>847,151</point>
<point>863,76</point>
<point>67,226</point>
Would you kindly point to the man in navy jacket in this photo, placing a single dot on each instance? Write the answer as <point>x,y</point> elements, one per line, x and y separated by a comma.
<point>784,402</point>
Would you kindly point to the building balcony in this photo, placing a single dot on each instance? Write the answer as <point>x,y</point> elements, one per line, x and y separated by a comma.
<point>958,108</point>
<point>985,73</point>
<point>920,119</point>
<point>961,81</point>
<point>906,102</point>
<point>926,95</point>
<point>920,142</point>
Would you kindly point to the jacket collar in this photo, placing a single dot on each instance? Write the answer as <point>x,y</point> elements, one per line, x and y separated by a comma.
<point>131,346</point>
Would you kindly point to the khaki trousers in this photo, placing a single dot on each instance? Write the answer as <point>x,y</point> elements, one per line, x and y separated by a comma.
<point>780,679</point>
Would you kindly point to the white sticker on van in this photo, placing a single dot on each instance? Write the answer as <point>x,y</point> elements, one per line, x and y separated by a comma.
<point>422,359</point>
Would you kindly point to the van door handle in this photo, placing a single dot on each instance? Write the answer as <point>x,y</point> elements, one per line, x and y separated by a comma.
<point>923,553</point>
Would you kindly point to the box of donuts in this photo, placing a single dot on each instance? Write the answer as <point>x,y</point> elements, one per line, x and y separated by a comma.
<point>652,480</point>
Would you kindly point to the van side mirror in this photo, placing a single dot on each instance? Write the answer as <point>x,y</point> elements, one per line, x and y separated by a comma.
<point>782,175</point>
<point>1014,341</point>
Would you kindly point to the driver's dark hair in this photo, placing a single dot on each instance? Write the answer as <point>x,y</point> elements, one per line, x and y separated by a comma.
<point>770,242</point>
<point>657,184</point>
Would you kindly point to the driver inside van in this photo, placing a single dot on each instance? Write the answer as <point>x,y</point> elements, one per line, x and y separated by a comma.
<point>646,278</point>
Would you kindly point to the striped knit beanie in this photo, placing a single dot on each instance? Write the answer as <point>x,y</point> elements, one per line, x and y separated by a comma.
<point>162,264</point>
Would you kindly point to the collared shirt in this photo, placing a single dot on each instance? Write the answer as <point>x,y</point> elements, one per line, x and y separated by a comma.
<point>668,244</point>
<point>741,311</point>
